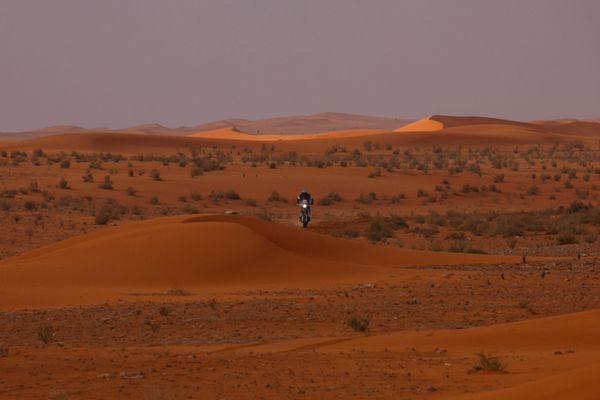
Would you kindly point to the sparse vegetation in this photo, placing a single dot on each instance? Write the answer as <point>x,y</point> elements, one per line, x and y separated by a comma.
<point>106,184</point>
<point>487,362</point>
<point>359,324</point>
<point>63,184</point>
<point>45,333</point>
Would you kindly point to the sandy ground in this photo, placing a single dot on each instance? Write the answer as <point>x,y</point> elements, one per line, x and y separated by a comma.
<point>172,299</point>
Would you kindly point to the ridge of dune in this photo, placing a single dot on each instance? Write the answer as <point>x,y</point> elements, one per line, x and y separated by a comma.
<point>427,124</point>
<point>174,251</point>
<point>61,128</point>
<point>306,124</point>
<point>237,134</point>
<point>438,122</point>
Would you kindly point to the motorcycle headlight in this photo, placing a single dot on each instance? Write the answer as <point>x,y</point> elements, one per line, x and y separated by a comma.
<point>304,205</point>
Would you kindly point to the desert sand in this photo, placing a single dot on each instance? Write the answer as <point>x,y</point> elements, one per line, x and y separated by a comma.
<point>453,257</point>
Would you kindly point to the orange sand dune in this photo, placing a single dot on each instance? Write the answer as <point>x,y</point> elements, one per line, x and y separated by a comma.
<point>490,125</point>
<point>570,127</point>
<point>529,347</point>
<point>294,124</point>
<point>302,124</point>
<point>438,122</point>
<point>426,124</point>
<point>200,252</point>
<point>579,383</point>
<point>235,134</point>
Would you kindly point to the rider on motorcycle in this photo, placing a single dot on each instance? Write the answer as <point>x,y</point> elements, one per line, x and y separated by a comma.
<point>305,200</point>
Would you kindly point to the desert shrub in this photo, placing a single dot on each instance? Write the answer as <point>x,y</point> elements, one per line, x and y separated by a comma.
<point>154,200</point>
<point>189,209</point>
<point>367,198</point>
<point>475,168</point>
<point>3,352</point>
<point>383,228</point>
<point>426,232</point>
<point>164,311</point>
<point>106,184</point>
<point>487,362</point>
<point>38,153</point>
<point>31,205</point>
<point>499,178</point>
<point>45,333</point>
<point>155,175</point>
<point>457,236</point>
<point>34,187</point>
<point>422,193</point>
<point>275,196</point>
<point>578,206</point>
<point>110,210</point>
<point>212,303</point>
<point>533,190</point>
<point>251,202</point>
<point>396,199</point>
<point>88,177</point>
<point>131,191</point>
<point>182,199</point>
<point>196,171</point>
<point>359,324</point>
<point>216,196</point>
<point>375,173</point>
<point>195,196</point>
<point>65,164</point>
<point>332,197</point>
<point>566,238</point>
<point>63,184</point>
<point>232,195</point>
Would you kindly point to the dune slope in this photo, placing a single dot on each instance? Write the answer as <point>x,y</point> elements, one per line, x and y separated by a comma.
<point>202,252</point>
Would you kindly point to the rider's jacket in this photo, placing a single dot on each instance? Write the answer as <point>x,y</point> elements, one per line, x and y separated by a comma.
<point>304,196</point>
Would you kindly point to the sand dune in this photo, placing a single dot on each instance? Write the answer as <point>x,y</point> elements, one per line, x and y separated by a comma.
<point>301,124</point>
<point>580,384</point>
<point>206,251</point>
<point>567,126</point>
<point>438,130</point>
<point>236,134</point>
<point>570,127</point>
<point>107,142</point>
<point>295,124</point>
<point>535,371</point>
<point>426,124</point>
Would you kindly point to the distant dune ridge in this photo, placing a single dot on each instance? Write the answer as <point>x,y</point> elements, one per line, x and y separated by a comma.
<point>315,133</point>
<point>295,124</point>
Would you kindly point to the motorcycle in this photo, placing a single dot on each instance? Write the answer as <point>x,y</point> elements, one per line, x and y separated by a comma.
<point>304,213</point>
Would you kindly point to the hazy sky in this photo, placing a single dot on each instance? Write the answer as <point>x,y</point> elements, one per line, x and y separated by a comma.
<point>115,63</point>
